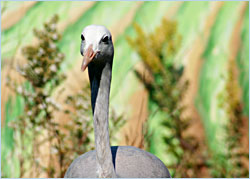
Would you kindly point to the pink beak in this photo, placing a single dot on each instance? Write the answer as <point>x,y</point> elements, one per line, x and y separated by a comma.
<point>88,57</point>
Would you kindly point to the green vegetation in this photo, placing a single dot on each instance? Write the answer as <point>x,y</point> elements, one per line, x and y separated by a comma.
<point>214,94</point>
<point>36,125</point>
<point>42,77</point>
<point>14,108</point>
<point>157,50</point>
<point>243,63</point>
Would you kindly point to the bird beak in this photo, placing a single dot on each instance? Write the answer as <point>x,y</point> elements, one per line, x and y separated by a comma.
<point>88,57</point>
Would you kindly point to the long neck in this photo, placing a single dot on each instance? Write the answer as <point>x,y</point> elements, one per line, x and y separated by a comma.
<point>100,80</point>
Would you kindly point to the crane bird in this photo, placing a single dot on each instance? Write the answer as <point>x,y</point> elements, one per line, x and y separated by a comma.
<point>105,161</point>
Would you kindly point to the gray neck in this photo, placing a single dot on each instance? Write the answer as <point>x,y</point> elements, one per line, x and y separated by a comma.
<point>100,80</point>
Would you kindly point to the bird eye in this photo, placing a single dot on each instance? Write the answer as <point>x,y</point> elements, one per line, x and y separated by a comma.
<point>105,39</point>
<point>82,37</point>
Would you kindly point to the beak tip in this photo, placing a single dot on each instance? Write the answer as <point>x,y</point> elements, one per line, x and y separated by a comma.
<point>83,69</point>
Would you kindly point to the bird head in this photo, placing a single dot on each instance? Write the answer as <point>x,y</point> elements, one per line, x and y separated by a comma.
<point>96,45</point>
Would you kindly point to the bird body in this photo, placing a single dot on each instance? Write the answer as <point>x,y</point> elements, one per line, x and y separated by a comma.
<point>128,161</point>
<point>105,161</point>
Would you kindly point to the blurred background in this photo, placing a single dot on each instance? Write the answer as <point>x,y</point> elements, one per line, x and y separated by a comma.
<point>180,85</point>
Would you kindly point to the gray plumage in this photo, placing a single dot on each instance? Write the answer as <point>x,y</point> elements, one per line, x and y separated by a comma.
<point>105,161</point>
<point>129,162</point>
